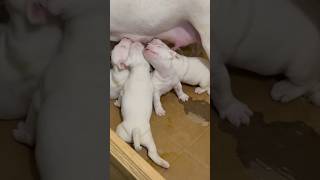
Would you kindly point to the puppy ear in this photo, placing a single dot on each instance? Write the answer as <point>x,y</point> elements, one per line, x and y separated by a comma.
<point>36,12</point>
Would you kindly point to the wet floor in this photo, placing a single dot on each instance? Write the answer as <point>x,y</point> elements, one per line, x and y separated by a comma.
<point>281,143</point>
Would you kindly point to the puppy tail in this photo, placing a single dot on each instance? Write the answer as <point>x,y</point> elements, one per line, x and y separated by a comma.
<point>136,139</point>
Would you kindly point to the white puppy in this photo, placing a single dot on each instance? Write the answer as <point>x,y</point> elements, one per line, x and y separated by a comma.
<point>136,105</point>
<point>119,74</point>
<point>190,70</point>
<point>164,77</point>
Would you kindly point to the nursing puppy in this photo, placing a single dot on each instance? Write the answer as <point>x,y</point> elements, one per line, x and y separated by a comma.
<point>25,51</point>
<point>119,73</point>
<point>273,37</point>
<point>164,77</point>
<point>190,70</point>
<point>136,105</point>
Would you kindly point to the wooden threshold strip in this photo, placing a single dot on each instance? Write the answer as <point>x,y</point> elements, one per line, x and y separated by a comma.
<point>131,160</point>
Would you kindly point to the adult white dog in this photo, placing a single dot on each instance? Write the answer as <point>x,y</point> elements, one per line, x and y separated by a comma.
<point>272,37</point>
<point>180,22</point>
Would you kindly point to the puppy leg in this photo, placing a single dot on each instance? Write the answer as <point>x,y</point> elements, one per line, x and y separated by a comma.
<point>227,105</point>
<point>148,142</point>
<point>117,103</point>
<point>286,91</point>
<point>199,90</point>
<point>25,131</point>
<point>181,95</point>
<point>123,133</point>
<point>157,104</point>
<point>315,98</point>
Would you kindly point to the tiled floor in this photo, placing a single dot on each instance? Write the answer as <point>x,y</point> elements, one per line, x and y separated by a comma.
<point>182,138</point>
<point>286,147</point>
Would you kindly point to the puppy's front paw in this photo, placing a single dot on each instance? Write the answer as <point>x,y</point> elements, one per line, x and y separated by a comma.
<point>117,103</point>
<point>237,113</point>
<point>23,134</point>
<point>160,111</point>
<point>184,97</point>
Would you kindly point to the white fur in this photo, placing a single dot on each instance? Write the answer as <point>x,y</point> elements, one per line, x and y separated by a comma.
<point>25,51</point>
<point>286,45</point>
<point>117,80</point>
<point>136,105</point>
<point>148,19</point>
<point>164,77</point>
<point>119,74</point>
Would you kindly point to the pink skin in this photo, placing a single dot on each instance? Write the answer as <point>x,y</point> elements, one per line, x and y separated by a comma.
<point>181,36</point>
<point>120,53</point>
<point>159,58</point>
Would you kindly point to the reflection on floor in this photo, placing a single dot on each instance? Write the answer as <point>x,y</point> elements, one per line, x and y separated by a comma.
<point>282,141</point>
<point>182,136</point>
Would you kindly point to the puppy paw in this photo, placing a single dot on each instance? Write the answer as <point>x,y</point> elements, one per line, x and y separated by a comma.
<point>184,97</point>
<point>117,103</point>
<point>285,91</point>
<point>237,113</point>
<point>199,90</point>
<point>23,134</point>
<point>315,98</point>
<point>160,111</point>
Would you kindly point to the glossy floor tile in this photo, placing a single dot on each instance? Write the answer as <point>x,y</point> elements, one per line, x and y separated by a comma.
<point>282,142</point>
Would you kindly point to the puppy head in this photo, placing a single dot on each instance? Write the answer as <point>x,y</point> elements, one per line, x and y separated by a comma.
<point>158,53</point>
<point>120,53</point>
<point>37,11</point>
<point>135,57</point>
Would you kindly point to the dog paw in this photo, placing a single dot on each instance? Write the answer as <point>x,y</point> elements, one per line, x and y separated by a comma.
<point>23,134</point>
<point>117,103</point>
<point>184,97</point>
<point>160,111</point>
<point>237,113</point>
<point>199,90</point>
<point>315,98</point>
<point>284,91</point>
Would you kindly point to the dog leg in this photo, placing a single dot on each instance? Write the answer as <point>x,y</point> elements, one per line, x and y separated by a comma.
<point>227,105</point>
<point>181,95</point>
<point>157,104</point>
<point>148,142</point>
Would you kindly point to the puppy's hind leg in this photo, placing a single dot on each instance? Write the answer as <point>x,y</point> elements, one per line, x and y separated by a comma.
<point>25,131</point>
<point>123,133</point>
<point>136,139</point>
<point>204,86</point>
<point>148,142</point>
